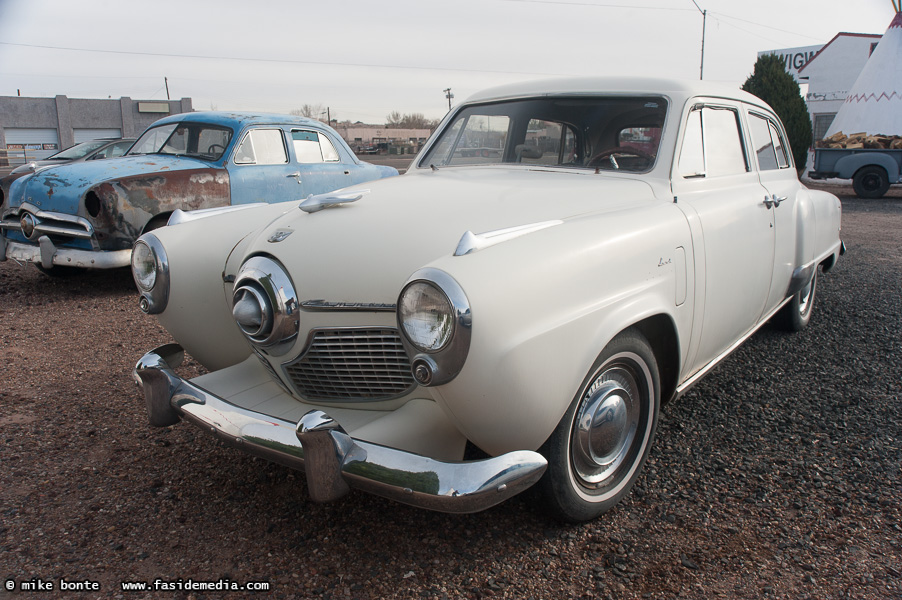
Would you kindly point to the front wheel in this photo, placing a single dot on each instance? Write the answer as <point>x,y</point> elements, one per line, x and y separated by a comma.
<point>597,450</point>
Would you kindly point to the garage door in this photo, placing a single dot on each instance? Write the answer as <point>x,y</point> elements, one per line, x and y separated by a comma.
<point>37,143</point>
<point>86,135</point>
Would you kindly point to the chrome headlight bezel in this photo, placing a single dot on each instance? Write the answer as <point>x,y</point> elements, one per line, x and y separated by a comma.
<point>263,279</point>
<point>439,364</point>
<point>155,295</point>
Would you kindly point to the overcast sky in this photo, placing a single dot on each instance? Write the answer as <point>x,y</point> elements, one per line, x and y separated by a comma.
<point>366,58</point>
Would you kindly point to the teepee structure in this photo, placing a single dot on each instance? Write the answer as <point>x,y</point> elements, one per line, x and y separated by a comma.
<point>874,104</point>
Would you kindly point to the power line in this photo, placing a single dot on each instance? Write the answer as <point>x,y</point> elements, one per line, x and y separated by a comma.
<point>277,60</point>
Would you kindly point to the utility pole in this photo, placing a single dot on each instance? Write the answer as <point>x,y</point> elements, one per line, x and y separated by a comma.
<point>449,96</point>
<point>166,81</point>
<point>701,73</point>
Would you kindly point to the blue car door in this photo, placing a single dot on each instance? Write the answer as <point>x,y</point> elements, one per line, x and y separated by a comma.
<point>261,169</point>
<point>325,164</point>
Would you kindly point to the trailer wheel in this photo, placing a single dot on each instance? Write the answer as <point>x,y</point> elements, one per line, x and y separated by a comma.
<point>870,182</point>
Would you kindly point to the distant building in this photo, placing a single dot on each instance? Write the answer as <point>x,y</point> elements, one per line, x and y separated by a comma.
<point>829,71</point>
<point>364,138</point>
<point>42,126</point>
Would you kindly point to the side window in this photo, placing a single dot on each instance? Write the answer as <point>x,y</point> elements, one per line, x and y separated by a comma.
<point>712,144</point>
<point>763,144</point>
<point>723,142</point>
<point>313,147</point>
<point>262,147</point>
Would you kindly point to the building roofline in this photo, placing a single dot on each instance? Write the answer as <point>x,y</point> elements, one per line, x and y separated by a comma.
<point>836,37</point>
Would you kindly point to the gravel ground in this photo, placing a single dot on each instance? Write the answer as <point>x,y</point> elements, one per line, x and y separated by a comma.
<point>778,476</point>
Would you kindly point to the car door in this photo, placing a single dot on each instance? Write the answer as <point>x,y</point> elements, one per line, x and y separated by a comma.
<point>260,169</point>
<point>716,187</point>
<point>321,164</point>
<point>788,199</point>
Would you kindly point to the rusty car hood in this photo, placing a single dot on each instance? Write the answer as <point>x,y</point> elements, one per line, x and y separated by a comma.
<point>364,251</point>
<point>61,188</point>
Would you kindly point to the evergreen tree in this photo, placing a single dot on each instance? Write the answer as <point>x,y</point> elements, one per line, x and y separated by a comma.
<point>774,85</point>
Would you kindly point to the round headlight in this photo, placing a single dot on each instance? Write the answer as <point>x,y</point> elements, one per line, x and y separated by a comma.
<point>144,266</point>
<point>426,315</point>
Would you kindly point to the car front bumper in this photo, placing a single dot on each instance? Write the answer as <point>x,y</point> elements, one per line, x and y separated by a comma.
<point>332,460</point>
<point>48,255</point>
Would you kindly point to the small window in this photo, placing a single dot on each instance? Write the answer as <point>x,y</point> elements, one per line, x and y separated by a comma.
<point>547,143</point>
<point>762,143</point>
<point>692,156</point>
<point>262,147</point>
<point>313,147</point>
<point>779,146</point>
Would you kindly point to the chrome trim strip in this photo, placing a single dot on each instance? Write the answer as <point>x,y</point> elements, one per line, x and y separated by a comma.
<point>180,216</point>
<point>68,257</point>
<point>333,460</point>
<point>320,305</point>
<point>684,387</point>
<point>473,242</point>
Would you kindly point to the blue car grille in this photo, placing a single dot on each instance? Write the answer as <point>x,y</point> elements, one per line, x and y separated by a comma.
<point>351,365</point>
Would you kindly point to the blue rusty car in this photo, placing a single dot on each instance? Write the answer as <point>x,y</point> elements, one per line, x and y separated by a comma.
<point>88,215</point>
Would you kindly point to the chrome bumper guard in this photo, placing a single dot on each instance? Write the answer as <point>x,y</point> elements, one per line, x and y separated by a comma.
<point>46,254</point>
<point>333,461</point>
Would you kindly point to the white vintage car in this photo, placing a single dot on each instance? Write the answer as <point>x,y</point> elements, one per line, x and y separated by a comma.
<point>560,258</point>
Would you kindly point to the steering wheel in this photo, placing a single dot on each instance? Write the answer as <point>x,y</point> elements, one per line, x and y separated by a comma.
<point>609,154</point>
<point>211,149</point>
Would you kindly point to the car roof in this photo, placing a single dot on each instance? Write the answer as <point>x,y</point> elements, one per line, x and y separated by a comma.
<point>238,120</point>
<point>677,89</point>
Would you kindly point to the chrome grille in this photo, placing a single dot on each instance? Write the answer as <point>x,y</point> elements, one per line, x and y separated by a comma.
<point>354,364</point>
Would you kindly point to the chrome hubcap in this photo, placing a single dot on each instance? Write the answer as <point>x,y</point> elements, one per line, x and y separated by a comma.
<point>606,426</point>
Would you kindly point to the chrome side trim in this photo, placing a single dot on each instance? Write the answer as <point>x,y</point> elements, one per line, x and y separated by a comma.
<point>473,242</point>
<point>684,387</point>
<point>332,460</point>
<point>180,216</point>
<point>355,306</point>
<point>68,257</point>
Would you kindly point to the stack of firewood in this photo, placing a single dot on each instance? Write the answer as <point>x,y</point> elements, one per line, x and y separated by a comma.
<point>861,140</point>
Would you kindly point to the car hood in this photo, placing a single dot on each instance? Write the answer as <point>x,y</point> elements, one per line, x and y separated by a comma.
<point>363,252</point>
<point>61,188</point>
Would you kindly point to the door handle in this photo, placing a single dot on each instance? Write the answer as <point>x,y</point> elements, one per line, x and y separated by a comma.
<point>296,175</point>
<point>768,202</point>
<point>778,199</point>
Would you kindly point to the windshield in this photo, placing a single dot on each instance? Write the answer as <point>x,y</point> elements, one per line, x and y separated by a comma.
<point>610,133</point>
<point>78,150</point>
<point>199,140</point>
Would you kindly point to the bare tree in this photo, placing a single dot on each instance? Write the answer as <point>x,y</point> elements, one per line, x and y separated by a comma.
<point>311,111</point>
<point>396,120</point>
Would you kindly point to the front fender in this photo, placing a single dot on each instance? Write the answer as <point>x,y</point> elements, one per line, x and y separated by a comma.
<point>199,312</point>
<point>544,307</point>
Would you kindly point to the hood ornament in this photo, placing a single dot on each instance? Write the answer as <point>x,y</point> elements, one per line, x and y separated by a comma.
<point>320,201</point>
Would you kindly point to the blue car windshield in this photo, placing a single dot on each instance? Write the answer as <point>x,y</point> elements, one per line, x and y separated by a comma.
<point>199,140</point>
